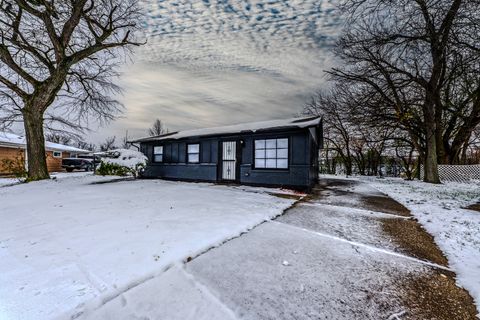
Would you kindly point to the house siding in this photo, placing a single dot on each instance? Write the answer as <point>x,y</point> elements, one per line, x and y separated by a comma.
<point>55,164</point>
<point>11,153</point>
<point>302,170</point>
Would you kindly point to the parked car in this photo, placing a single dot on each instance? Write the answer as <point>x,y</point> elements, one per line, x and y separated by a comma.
<point>86,163</point>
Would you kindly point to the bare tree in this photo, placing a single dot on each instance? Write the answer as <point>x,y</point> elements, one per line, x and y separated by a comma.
<point>405,152</point>
<point>351,135</point>
<point>85,145</point>
<point>338,131</point>
<point>59,138</point>
<point>157,129</point>
<point>57,63</point>
<point>417,64</point>
<point>108,144</point>
<point>125,141</point>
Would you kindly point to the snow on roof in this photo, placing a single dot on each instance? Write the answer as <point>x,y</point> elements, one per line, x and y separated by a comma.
<point>238,128</point>
<point>12,140</point>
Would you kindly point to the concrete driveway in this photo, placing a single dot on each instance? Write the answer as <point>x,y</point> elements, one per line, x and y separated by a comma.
<point>347,252</point>
<point>332,257</point>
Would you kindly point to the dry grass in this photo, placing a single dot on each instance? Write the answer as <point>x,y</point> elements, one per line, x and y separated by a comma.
<point>474,207</point>
<point>288,196</point>
<point>414,240</point>
<point>385,204</point>
<point>435,296</point>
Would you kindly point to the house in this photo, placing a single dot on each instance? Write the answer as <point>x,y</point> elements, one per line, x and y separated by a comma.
<point>12,147</point>
<point>269,153</point>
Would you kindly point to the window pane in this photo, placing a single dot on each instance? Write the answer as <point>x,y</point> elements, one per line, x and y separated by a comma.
<point>282,153</point>
<point>259,144</point>
<point>271,144</point>
<point>259,154</point>
<point>271,154</point>
<point>193,148</point>
<point>271,163</point>
<point>158,150</point>
<point>158,158</point>
<point>259,163</point>
<point>282,143</point>
<point>193,157</point>
<point>282,163</point>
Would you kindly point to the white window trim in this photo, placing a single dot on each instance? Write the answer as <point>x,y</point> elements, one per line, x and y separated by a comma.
<point>157,154</point>
<point>197,153</point>
<point>276,158</point>
<point>57,156</point>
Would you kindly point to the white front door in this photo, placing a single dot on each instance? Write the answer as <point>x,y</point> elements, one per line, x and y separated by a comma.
<point>229,160</point>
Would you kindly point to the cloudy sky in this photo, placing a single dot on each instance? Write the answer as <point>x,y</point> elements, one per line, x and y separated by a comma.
<point>219,62</point>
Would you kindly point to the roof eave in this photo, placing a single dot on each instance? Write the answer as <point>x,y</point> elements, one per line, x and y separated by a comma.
<point>153,139</point>
<point>23,146</point>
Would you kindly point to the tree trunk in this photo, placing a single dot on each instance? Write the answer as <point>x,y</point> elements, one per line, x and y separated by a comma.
<point>36,156</point>
<point>348,166</point>
<point>431,165</point>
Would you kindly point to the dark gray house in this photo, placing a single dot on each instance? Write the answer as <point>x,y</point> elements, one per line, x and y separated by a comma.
<point>281,153</point>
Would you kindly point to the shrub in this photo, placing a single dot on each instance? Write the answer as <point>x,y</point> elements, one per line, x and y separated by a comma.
<point>112,169</point>
<point>122,162</point>
<point>16,167</point>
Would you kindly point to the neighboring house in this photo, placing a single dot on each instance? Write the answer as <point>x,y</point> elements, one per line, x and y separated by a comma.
<point>12,147</point>
<point>270,153</point>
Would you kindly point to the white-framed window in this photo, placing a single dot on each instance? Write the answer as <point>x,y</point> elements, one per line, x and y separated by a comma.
<point>158,154</point>
<point>57,154</point>
<point>271,153</point>
<point>193,153</point>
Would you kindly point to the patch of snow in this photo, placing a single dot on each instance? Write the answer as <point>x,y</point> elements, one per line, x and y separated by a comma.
<point>189,301</point>
<point>348,223</point>
<point>326,279</point>
<point>68,246</point>
<point>439,208</point>
<point>370,247</point>
<point>127,158</point>
<point>8,181</point>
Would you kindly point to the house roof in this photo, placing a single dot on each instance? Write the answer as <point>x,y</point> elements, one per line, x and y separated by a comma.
<point>238,128</point>
<point>12,140</point>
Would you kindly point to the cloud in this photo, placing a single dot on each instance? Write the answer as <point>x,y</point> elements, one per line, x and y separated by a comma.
<point>211,63</point>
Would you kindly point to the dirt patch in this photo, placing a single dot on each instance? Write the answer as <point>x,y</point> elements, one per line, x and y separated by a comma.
<point>332,183</point>
<point>414,240</point>
<point>385,204</point>
<point>288,196</point>
<point>474,207</point>
<point>435,296</point>
<point>114,180</point>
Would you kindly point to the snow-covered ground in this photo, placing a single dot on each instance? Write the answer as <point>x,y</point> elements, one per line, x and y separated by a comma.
<point>55,175</point>
<point>68,246</point>
<point>439,208</point>
<point>325,258</point>
<point>8,181</point>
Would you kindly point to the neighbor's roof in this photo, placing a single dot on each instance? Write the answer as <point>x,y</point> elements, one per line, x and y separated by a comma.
<point>238,128</point>
<point>13,140</point>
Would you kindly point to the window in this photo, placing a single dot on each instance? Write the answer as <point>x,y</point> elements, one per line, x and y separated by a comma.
<point>57,154</point>
<point>271,153</point>
<point>193,153</point>
<point>158,154</point>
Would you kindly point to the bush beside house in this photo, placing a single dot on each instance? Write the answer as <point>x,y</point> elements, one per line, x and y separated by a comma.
<point>122,162</point>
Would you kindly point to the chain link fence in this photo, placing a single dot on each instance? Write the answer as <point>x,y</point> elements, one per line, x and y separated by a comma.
<point>457,173</point>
